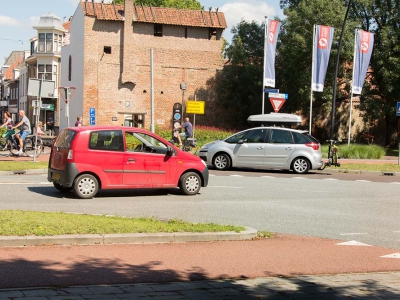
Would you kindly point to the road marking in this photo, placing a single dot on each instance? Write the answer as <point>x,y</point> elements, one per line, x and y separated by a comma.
<point>330,179</point>
<point>299,178</point>
<point>395,182</point>
<point>352,243</point>
<point>268,176</point>
<point>363,180</point>
<point>235,175</point>
<point>20,183</point>
<point>394,255</point>
<point>224,186</point>
<point>354,233</point>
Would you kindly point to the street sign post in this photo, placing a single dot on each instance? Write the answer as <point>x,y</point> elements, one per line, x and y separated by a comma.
<point>277,100</point>
<point>277,95</point>
<point>398,109</point>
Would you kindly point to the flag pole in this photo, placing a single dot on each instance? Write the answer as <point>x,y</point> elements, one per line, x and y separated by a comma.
<point>351,94</point>
<point>265,57</point>
<point>312,76</point>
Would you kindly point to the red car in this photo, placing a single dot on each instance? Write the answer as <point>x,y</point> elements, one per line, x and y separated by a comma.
<point>86,159</point>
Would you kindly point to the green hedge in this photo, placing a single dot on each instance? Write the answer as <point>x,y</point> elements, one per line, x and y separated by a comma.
<point>357,151</point>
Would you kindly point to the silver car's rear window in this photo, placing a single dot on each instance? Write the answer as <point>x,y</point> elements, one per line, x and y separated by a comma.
<point>64,139</point>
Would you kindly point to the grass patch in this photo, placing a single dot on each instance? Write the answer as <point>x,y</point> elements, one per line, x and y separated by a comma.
<point>368,167</point>
<point>356,151</point>
<point>21,223</point>
<point>22,165</point>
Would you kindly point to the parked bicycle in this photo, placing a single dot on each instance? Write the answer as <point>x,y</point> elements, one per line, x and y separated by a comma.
<point>333,155</point>
<point>9,145</point>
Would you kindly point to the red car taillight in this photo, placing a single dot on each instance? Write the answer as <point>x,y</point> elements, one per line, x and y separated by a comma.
<point>315,146</point>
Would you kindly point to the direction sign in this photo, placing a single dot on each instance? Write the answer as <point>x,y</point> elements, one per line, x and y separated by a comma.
<point>271,90</point>
<point>398,109</point>
<point>277,103</point>
<point>276,95</point>
<point>195,107</point>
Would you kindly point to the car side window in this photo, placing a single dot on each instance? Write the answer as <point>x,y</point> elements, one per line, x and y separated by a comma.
<point>300,138</point>
<point>280,136</point>
<point>141,142</point>
<point>235,138</point>
<point>109,140</point>
<point>255,136</point>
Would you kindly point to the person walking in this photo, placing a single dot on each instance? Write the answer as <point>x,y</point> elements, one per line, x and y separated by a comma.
<point>78,121</point>
<point>25,130</point>
<point>187,133</point>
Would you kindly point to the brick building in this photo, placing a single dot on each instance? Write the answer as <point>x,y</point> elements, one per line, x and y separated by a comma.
<point>108,61</point>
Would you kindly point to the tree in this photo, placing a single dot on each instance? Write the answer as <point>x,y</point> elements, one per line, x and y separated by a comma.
<point>185,4</point>
<point>294,59</point>
<point>239,84</point>
<point>378,102</point>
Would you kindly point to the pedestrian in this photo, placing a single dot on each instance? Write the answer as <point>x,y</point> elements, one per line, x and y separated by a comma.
<point>7,120</point>
<point>25,130</point>
<point>39,131</point>
<point>78,121</point>
<point>187,133</point>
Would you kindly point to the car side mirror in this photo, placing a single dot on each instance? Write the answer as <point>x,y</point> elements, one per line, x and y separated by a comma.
<point>170,150</point>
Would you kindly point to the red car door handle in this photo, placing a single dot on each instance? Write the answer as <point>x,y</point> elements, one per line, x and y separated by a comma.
<point>131,160</point>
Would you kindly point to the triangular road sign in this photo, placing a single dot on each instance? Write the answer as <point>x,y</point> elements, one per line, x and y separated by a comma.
<point>277,103</point>
<point>67,93</point>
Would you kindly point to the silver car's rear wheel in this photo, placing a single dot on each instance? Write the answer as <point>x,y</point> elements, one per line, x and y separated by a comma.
<point>86,186</point>
<point>222,161</point>
<point>300,165</point>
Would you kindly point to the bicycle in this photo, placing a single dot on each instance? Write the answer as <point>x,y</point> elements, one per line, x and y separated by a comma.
<point>333,155</point>
<point>10,145</point>
<point>188,145</point>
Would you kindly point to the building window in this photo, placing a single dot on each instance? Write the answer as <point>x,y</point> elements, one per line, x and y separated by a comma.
<point>45,72</point>
<point>69,68</point>
<point>212,33</point>
<point>158,30</point>
<point>57,42</point>
<point>41,42</point>
<point>107,50</point>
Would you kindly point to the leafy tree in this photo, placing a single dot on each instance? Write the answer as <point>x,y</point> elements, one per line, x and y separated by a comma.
<point>239,84</point>
<point>186,4</point>
<point>294,60</point>
<point>378,101</point>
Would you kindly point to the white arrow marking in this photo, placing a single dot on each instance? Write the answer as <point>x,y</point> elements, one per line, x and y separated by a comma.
<point>352,243</point>
<point>394,255</point>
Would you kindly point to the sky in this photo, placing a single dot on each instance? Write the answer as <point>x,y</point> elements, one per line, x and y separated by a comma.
<point>17,17</point>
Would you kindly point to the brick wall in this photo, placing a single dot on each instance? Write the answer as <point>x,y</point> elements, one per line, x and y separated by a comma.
<point>119,82</point>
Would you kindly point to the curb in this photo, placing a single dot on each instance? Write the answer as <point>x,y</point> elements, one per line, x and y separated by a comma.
<point>127,238</point>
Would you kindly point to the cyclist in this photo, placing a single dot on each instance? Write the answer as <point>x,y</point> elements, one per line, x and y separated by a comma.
<point>25,130</point>
<point>188,131</point>
<point>8,120</point>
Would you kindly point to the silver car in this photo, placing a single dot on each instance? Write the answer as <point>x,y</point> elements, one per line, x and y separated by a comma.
<point>265,148</point>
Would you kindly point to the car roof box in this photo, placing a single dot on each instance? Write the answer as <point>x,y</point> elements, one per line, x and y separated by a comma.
<point>275,119</point>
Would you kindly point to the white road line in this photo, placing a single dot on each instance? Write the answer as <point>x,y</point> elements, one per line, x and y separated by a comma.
<point>330,179</point>
<point>266,176</point>
<point>395,182</point>
<point>394,255</point>
<point>299,178</point>
<point>354,233</point>
<point>235,175</point>
<point>223,186</point>
<point>363,180</point>
<point>352,243</point>
<point>21,183</point>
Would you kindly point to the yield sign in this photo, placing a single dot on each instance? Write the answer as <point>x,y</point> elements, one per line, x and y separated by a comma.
<point>277,103</point>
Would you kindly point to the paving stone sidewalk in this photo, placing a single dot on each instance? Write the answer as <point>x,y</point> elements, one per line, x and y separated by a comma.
<point>342,286</point>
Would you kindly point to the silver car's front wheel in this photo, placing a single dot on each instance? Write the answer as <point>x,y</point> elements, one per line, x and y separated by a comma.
<point>221,161</point>
<point>300,165</point>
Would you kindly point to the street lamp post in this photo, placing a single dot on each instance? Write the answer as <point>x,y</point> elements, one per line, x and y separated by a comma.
<point>335,78</point>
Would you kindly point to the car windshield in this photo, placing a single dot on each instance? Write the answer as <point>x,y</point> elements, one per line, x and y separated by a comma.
<point>64,139</point>
<point>235,138</point>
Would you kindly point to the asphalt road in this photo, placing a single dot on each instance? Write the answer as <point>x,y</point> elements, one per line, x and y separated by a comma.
<point>330,205</point>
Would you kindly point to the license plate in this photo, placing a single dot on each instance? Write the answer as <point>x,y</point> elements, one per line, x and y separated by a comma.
<point>55,176</point>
